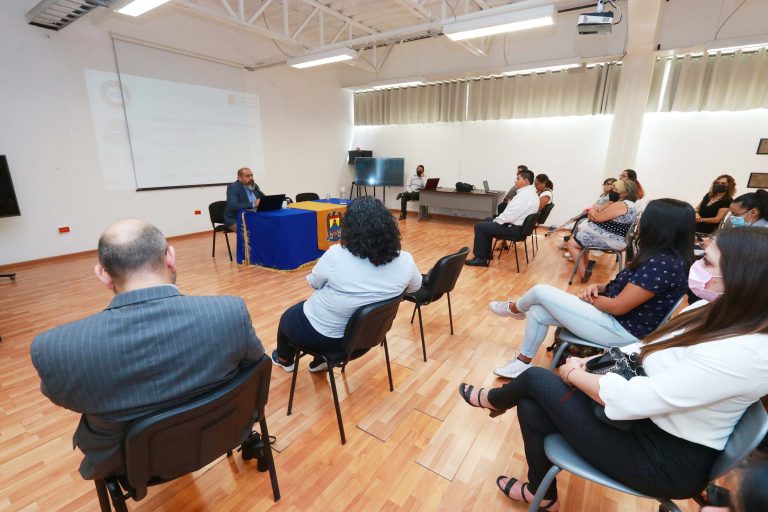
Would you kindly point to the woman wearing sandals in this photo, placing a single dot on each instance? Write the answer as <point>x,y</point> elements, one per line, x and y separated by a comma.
<point>704,368</point>
<point>624,310</point>
<point>607,227</point>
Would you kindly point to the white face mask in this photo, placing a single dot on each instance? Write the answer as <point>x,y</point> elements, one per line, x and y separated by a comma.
<point>698,277</point>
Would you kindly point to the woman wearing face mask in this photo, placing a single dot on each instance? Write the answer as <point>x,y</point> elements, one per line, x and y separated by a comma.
<point>750,210</point>
<point>714,205</point>
<point>704,369</point>
<point>619,312</point>
<point>607,226</point>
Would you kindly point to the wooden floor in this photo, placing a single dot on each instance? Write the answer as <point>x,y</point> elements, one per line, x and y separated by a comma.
<point>418,448</point>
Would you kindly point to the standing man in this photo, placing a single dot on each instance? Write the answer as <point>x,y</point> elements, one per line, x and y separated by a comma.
<point>152,347</point>
<point>509,222</point>
<point>411,193</point>
<point>241,195</point>
<point>511,193</point>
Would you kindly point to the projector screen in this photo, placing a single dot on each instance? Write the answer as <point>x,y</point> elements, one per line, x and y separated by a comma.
<point>189,121</point>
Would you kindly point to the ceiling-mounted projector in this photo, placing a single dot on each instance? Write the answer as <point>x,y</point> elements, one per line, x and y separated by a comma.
<point>598,22</point>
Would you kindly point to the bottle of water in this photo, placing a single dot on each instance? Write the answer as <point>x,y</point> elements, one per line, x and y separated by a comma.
<point>343,193</point>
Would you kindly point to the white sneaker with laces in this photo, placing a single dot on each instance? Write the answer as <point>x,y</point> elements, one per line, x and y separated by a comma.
<point>501,308</point>
<point>513,369</point>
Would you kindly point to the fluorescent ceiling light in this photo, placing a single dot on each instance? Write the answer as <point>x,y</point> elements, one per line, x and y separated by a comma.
<point>318,59</point>
<point>139,7</point>
<point>540,70</point>
<point>500,23</point>
<point>732,45</point>
<point>400,82</point>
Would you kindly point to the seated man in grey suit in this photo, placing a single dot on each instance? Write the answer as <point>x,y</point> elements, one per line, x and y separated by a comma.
<point>241,195</point>
<point>150,349</point>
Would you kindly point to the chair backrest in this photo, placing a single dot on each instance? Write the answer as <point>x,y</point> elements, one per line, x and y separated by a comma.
<point>544,213</point>
<point>444,274</point>
<point>216,211</point>
<point>369,325</point>
<point>672,310</point>
<point>529,224</point>
<point>306,196</point>
<point>746,436</point>
<point>184,438</point>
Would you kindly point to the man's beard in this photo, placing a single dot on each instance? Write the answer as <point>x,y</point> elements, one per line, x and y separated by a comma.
<point>250,186</point>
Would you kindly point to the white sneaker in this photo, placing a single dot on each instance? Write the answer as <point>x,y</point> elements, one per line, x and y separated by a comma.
<point>513,369</point>
<point>501,308</point>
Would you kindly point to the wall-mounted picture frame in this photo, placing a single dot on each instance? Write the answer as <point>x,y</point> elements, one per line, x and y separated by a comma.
<point>758,180</point>
<point>762,147</point>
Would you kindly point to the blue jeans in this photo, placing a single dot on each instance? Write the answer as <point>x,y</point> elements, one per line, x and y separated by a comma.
<point>549,306</point>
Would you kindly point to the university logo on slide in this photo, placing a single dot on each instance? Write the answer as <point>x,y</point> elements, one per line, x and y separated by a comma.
<point>333,223</point>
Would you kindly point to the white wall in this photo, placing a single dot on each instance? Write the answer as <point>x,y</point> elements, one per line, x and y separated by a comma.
<point>571,150</point>
<point>680,154</point>
<point>48,136</point>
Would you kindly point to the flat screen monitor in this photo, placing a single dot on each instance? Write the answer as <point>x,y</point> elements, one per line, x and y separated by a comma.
<point>379,172</point>
<point>9,207</point>
<point>356,153</point>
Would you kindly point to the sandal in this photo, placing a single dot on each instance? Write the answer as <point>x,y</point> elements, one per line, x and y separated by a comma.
<point>507,489</point>
<point>588,271</point>
<point>465,390</point>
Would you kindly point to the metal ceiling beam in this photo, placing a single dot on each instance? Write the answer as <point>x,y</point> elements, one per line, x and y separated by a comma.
<point>265,32</point>
<point>340,15</point>
<point>259,11</point>
<point>304,23</point>
<point>415,8</point>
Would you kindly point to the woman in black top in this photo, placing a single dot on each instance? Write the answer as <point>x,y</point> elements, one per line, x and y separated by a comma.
<point>715,203</point>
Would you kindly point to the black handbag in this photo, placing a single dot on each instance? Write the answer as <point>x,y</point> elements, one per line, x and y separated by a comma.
<point>464,187</point>
<point>614,361</point>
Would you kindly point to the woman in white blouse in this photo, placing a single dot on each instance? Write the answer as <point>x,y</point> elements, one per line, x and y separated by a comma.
<point>704,368</point>
<point>544,187</point>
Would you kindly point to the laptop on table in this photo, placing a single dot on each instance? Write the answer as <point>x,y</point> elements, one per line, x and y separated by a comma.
<point>431,183</point>
<point>270,203</point>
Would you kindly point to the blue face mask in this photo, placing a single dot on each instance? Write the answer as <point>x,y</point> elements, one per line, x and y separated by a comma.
<point>738,222</point>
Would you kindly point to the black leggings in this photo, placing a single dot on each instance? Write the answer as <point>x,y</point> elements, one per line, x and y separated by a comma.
<point>644,458</point>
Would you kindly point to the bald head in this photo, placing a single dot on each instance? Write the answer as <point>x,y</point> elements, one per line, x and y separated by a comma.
<point>130,247</point>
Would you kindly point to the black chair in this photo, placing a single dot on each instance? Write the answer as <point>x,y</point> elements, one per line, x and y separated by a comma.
<point>527,230</point>
<point>307,196</point>
<point>179,440</point>
<point>367,328</point>
<point>216,212</point>
<point>440,280</point>
<point>543,215</point>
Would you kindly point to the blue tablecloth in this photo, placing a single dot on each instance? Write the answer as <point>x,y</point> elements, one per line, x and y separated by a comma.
<point>282,239</point>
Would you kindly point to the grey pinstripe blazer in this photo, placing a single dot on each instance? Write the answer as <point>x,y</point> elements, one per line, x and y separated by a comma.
<point>150,349</point>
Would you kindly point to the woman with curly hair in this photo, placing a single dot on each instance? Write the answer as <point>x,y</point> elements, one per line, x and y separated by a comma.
<point>715,204</point>
<point>368,266</point>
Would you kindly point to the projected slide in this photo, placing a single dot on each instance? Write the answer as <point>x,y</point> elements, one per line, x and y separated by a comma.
<point>178,134</point>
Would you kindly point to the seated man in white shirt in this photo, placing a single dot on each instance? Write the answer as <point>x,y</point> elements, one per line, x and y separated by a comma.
<point>411,192</point>
<point>510,222</point>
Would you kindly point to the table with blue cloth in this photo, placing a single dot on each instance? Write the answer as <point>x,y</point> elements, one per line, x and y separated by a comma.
<point>281,239</point>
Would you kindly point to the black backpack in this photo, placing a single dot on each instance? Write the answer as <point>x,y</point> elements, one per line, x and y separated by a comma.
<point>464,187</point>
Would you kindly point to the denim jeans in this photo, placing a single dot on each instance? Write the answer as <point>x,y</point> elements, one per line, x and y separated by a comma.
<point>549,306</point>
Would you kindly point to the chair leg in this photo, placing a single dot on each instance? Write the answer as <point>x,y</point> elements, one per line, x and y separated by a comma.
<point>493,249</point>
<point>576,266</point>
<point>517,260</point>
<point>423,344</point>
<point>213,250</point>
<point>336,404</point>
<point>450,314</point>
<point>525,246</point>
<point>389,369</point>
<point>101,492</point>
<point>229,250</point>
<point>118,501</point>
<point>270,459</point>
<point>414,312</point>
<point>545,484</point>
<point>621,262</point>
<point>563,346</point>
<point>293,382</point>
